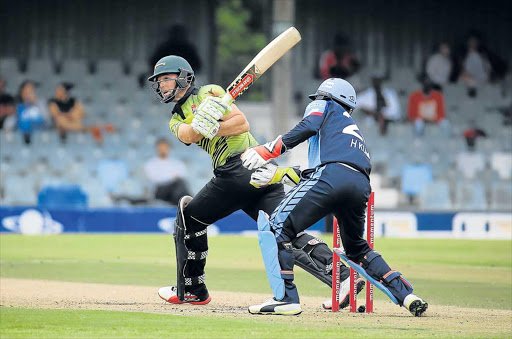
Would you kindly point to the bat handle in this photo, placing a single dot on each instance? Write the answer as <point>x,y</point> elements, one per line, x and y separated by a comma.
<point>227,99</point>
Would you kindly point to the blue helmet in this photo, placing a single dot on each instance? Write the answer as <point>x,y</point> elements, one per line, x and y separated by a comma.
<point>338,90</point>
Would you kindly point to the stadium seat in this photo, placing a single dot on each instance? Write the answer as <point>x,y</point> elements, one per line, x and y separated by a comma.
<point>501,196</point>
<point>40,69</point>
<point>386,197</point>
<point>470,163</point>
<point>111,172</point>
<point>436,196</point>
<point>20,190</point>
<point>109,70</point>
<point>9,68</point>
<point>502,163</point>
<point>415,177</point>
<point>75,70</point>
<point>470,195</point>
<point>64,195</point>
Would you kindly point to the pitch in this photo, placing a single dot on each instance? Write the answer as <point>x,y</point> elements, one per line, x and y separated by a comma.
<point>105,286</point>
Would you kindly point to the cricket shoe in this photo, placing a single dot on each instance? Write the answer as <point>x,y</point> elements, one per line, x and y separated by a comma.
<point>170,294</point>
<point>273,306</point>
<point>415,305</point>
<point>345,293</point>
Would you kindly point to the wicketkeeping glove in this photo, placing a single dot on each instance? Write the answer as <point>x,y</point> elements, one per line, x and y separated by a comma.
<point>272,174</point>
<point>257,156</point>
<point>205,125</point>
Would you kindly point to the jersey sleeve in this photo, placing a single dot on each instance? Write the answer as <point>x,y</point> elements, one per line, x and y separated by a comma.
<point>174,125</point>
<point>310,125</point>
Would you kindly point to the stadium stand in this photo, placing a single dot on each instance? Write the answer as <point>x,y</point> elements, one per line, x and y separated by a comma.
<point>458,178</point>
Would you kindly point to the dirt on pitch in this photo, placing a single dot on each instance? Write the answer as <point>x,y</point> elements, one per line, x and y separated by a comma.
<point>42,294</point>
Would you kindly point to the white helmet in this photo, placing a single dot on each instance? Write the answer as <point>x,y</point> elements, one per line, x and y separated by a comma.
<point>338,90</point>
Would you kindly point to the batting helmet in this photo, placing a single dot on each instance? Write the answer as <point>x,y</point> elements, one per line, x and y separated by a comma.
<point>172,64</point>
<point>338,90</point>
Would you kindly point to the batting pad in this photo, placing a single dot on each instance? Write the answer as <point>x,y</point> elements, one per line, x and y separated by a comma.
<point>362,272</point>
<point>268,247</point>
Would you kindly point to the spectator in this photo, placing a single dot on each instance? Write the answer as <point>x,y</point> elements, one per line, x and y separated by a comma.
<point>340,62</point>
<point>7,108</point>
<point>177,43</point>
<point>66,111</point>
<point>476,68</point>
<point>479,64</point>
<point>472,133</point>
<point>166,174</point>
<point>427,106</point>
<point>380,103</point>
<point>32,112</point>
<point>440,66</point>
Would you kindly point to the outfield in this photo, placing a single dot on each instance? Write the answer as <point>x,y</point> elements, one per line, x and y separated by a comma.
<point>105,286</point>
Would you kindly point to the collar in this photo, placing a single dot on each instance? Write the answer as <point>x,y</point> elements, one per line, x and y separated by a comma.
<point>177,107</point>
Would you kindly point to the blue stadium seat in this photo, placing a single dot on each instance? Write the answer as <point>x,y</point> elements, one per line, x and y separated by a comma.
<point>415,177</point>
<point>111,172</point>
<point>61,196</point>
<point>436,196</point>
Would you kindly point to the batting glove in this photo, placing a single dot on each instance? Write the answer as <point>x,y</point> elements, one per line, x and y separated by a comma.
<point>213,107</point>
<point>205,125</point>
<point>257,156</point>
<point>271,174</point>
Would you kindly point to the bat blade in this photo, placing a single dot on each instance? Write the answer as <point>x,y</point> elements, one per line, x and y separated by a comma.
<point>262,62</point>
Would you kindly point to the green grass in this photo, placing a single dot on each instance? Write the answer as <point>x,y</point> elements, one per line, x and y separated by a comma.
<point>466,273</point>
<point>23,323</point>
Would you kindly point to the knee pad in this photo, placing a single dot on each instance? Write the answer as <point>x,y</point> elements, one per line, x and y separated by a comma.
<point>314,256</point>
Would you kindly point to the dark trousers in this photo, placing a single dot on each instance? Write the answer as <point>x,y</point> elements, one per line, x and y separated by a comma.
<point>224,194</point>
<point>172,191</point>
<point>332,188</point>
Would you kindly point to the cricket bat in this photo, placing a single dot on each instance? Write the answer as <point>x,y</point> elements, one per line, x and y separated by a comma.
<point>262,62</point>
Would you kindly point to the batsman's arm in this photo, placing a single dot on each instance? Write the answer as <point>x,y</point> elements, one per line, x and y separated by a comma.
<point>233,123</point>
<point>187,135</point>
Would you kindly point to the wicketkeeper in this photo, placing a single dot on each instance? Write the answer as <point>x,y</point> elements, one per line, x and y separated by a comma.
<point>337,181</point>
<point>223,131</point>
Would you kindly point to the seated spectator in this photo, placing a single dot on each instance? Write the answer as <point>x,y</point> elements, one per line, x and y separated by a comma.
<point>166,175</point>
<point>340,61</point>
<point>472,133</point>
<point>32,112</point>
<point>439,66</point>
<point>380,103</point>
<point>479,64</point>
<point>68,113</point>
<point>7,108</point>
<point>427,106</point>
<point>475,66</point>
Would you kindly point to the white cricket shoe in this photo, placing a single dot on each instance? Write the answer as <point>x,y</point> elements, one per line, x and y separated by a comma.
<point>169,294</point>
<point>273,306</point>
<point>415,305</point>
<point>345,293</point>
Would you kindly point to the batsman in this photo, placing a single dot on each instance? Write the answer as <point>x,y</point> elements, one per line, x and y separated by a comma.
<point>337,181</point>
<point>199,117</point>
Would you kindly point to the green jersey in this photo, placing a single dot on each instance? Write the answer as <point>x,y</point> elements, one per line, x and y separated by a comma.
<point>219,148</point>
